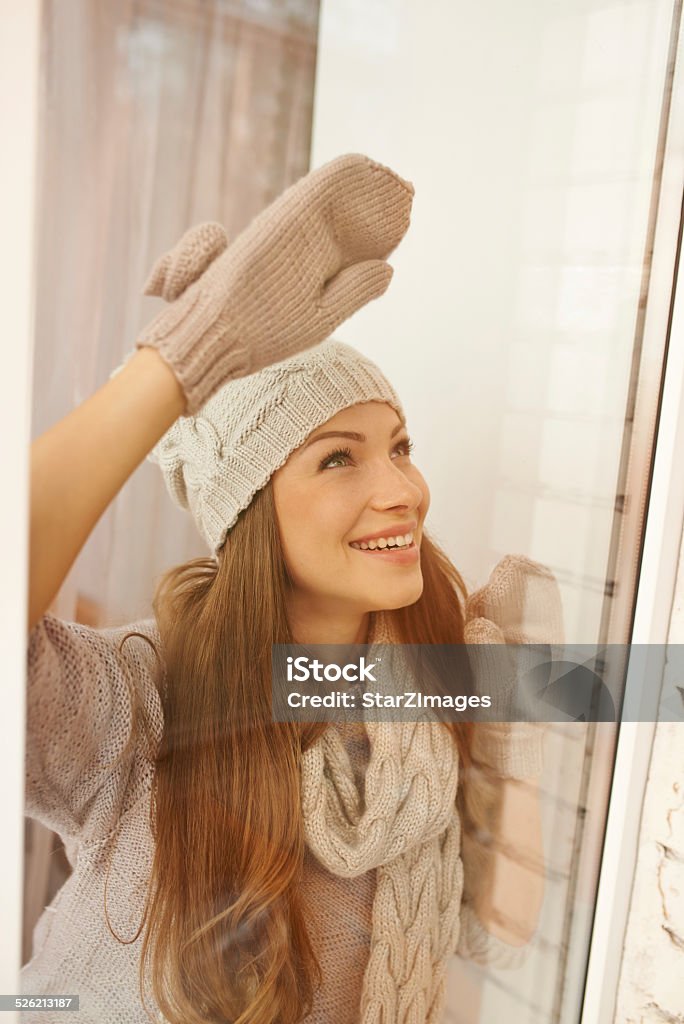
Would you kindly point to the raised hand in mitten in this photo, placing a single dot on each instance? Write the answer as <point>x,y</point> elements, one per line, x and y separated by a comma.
<point>521,600</point>
<point>520,604</point>
<point>302,267</point>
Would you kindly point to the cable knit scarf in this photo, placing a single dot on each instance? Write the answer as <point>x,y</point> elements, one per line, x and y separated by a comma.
<point>406,823</point>
<point>407,827</point>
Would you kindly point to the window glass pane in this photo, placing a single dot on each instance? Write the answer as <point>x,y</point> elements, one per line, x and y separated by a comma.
<point>533,135</point>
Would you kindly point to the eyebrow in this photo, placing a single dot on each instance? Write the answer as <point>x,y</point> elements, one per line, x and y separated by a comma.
<point>351,434</point>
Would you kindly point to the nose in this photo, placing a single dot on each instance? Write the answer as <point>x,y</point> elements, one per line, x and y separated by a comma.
<point>393,489</point>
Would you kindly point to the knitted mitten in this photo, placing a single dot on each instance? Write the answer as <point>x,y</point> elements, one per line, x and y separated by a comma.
<point>522,599</point>
<point>305,264</point>
<point>520,604</point>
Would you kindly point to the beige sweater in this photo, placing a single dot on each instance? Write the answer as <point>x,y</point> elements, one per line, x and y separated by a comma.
<point>79,719</point>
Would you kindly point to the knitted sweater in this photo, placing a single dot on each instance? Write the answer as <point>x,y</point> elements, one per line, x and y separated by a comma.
<point>80,717</point>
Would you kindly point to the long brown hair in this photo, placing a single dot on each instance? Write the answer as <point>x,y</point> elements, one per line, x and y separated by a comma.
<point>226,932</point>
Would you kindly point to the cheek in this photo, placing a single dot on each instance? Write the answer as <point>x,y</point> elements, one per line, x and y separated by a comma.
<point>312,527</point>
<point>302,552</point>
<point>419,480</point>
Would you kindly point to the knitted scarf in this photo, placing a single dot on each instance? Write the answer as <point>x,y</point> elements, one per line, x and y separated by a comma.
<point>406,825</point>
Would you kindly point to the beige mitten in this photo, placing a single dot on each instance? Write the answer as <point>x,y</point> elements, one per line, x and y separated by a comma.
<point>522,600</point>
<point>302,267</point>
<point>520,604</point>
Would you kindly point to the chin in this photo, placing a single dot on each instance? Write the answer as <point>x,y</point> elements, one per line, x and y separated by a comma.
<point>399,597</point>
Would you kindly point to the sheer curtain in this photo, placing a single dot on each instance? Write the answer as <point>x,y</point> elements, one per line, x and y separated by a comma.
<point>155,115</point>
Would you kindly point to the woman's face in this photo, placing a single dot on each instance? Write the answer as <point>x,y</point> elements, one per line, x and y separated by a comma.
<point>336,490</point>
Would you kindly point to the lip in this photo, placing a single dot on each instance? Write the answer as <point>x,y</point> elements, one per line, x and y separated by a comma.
<point>397,529</point>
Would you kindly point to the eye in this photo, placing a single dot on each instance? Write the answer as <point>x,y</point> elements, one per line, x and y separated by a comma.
<point>339,453</point>
<point>345,453</point>
<point>407,444</point>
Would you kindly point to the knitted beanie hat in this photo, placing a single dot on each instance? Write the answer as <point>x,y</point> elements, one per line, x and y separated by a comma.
<point>215,461</point>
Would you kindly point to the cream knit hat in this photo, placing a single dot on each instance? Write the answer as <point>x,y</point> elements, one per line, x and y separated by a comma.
<point>216,461</point>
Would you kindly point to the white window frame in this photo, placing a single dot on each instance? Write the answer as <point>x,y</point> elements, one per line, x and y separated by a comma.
<point>662,538</point>
<point>19,71</point>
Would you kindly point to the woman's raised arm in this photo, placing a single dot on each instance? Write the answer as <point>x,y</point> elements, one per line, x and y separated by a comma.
<point>306,263</point>
<point>80,464</point>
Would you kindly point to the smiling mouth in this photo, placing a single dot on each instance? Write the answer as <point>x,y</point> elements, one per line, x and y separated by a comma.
<point>386,552</point>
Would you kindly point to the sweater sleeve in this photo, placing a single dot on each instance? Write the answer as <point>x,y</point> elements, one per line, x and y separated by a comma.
<point>520,604</point>
<point>93,715</point>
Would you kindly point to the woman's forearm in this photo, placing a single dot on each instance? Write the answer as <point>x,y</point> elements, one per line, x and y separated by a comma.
<point>509,904</point>
<point>81,463</point>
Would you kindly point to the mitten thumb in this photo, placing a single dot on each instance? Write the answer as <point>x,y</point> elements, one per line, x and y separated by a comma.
<point>352,287</point>
<point>180,267</point>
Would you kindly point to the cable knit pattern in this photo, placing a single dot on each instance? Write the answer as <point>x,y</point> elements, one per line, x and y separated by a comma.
<point>409,829</point>
<point>384,917</point>
<point>300,269</point>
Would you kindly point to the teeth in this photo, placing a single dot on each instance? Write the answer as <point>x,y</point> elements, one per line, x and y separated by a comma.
<point>400,541</point>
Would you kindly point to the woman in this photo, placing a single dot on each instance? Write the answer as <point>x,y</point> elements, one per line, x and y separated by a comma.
<point>235,868</point>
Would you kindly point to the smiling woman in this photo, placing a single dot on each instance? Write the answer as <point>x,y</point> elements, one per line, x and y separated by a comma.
<point>313,501</point>
<point>233,867</point>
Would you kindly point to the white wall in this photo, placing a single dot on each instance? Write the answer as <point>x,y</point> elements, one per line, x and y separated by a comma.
<point>651,986</point>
